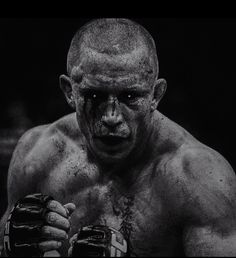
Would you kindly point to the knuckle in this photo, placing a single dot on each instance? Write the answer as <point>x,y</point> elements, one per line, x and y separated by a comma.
<point>52,204</point>
<point>56,207</point>
<point>61,233</point>
<point>67,224</point>
<point>46,231</point>
<point>51,217</point>
<point>64,235</point>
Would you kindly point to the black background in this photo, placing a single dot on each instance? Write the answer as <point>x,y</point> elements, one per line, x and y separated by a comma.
<point>197,57</point>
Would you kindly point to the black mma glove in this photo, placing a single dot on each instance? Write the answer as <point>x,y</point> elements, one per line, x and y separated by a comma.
<point>23,228</point>
<point>99,241</point>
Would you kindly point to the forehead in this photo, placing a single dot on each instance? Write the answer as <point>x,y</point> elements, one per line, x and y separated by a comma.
<point>117,70</point>
<point>115,82</point>
<point>130,81</point>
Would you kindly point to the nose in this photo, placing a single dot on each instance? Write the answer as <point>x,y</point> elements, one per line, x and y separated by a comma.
<point>112,116</point>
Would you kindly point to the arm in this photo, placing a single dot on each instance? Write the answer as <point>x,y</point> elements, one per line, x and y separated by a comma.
<point>48,229</point>
<point>20,182</point>
<point>2,225</point>
<point>210,208</point>
<point>202,241</point>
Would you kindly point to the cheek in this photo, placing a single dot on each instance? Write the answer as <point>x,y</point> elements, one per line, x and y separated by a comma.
<point>137,119</point>
<point>84,113</point>
<point>138,112</point>
<point>127,113</point>
<point>88,112</point>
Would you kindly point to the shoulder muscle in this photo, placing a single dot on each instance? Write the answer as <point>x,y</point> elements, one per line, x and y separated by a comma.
<point>20,175</point>
<point>210,185</point>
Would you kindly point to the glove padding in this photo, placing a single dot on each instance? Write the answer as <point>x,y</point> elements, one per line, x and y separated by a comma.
<point>99,241</point>
<point>23,228</point>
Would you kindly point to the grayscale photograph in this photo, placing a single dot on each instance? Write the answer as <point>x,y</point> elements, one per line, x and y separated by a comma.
<point>117,137</point>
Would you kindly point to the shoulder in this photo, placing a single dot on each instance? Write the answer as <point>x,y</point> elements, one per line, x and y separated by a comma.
<point>25,145</point>
<point>44,137</point>
<point>202,165</point>
<point>205,184</point>
<point>37,151</point>
<point>44,140</point>
<point>198,162</point>
<point>18,183</point>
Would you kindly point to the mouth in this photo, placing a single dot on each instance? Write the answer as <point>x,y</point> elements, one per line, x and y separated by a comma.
<point>111,141</point>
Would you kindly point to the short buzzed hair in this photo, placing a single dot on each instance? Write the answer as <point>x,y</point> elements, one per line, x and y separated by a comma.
<point>113,37</point>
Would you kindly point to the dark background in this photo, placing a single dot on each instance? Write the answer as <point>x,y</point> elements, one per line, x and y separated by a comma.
<point>197,57</point>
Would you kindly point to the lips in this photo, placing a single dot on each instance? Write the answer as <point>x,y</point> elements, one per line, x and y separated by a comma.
<point>111,141</point>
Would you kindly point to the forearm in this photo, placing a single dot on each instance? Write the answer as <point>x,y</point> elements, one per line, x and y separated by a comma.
<point>2,228</point>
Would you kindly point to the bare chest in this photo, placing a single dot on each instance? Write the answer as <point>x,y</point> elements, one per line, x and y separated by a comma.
<point>142,216</point>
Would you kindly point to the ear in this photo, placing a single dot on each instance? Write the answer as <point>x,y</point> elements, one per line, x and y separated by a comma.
<point>66,86</point>
<point>159,91</point>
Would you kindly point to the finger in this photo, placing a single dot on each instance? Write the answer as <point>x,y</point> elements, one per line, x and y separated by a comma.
<point>73,239</point>
<point>54,233</point>
<point>53,253</point>
<point>56,220</point>
<point>70,251</point>
<point>49,245</point>
<point>70,207</point>
<point>57,207</point>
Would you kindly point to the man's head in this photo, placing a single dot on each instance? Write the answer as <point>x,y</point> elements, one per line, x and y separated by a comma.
<point>113,85</point>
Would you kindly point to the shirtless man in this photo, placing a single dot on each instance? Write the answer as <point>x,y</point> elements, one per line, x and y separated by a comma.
<point>119,162</point>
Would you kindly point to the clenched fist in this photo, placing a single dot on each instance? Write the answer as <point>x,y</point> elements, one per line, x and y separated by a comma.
<point>98,241</point>
<point>37,224</point>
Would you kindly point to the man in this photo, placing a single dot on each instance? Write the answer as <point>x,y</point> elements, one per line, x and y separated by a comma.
<point>117,166</point>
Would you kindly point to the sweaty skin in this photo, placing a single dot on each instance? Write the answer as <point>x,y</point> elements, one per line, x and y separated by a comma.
<point>125,165</point>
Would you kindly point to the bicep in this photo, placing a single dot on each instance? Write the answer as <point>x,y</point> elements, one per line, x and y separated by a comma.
<point>21,173</point>
<point>210,206</point>
<point>21,179</point>
<point>15,185</point>
<point>205,241</point>
<point>11,195</point>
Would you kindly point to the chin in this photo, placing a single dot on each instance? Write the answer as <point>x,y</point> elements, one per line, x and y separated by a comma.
<point>111,156</point>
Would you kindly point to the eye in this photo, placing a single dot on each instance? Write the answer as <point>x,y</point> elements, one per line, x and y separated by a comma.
<point>94,95</point>
<point>128,96</point>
